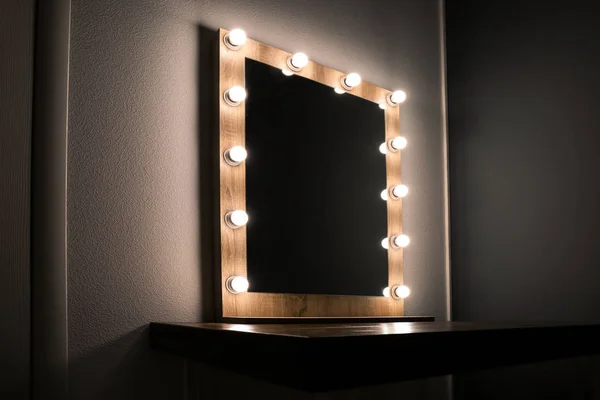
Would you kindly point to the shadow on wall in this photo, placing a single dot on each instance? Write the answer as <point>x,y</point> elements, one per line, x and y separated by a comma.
<point>127,368</point>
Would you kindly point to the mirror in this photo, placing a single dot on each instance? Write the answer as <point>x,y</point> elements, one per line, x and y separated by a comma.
<point>314,175</point>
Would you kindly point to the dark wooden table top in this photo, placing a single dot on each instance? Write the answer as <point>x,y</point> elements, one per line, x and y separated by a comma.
<point>321,357</point>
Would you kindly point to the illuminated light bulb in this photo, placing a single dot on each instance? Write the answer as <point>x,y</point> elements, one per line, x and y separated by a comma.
<point>399,191</point>
<point>237,284</point>
<point>339,91</point>
<point>350,81</point>
<point>286,72</point>
<point>235,155</point>
<point>396,98</point>
<point>383,148</point>
<point>401,292</point>
<point>398,143</point>
<point>386,291</point>
<point>384,194</point>
<point>235,95</point>
<point>385,243</point>
<point>400,241</point>
<point>236,219</point>
<point>382,106</point>
<point>297,61</point>
<point>235,39</point>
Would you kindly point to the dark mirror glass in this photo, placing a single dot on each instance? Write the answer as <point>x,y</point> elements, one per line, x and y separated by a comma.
<point>314,179</point>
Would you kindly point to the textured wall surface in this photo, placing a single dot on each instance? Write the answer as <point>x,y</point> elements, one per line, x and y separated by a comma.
<point>524,94</point>
<point>16,91</point>
<point>133,173</point>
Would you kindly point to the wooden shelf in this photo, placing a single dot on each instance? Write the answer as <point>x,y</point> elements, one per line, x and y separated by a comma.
<point>322,357</point>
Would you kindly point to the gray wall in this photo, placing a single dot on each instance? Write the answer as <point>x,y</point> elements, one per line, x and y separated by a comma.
<point>524,94</point>
<point>134,233</point>
<point>16,96</point>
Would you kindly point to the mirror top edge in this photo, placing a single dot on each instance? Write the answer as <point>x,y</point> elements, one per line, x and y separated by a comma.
<point>277,58</point>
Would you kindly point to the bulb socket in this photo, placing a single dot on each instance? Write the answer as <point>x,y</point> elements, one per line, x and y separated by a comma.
<point>391,148</point>
<point>344,84</point>
<point>393,293</point>
<point>388,99</point>
<point>291,65</point>
<point>229,101</point>
<point>228,160</point>
<point>229,222</point>
<point>229,286</point>
<point>230,45</point>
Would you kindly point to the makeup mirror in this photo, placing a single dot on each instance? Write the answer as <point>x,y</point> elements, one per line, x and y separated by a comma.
<point>310,191</point>
<point>314,176</point>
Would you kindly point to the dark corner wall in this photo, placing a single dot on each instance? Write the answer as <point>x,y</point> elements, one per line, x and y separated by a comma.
<point>524,134</point>
<point>16,91</point>
<point>135,236</point>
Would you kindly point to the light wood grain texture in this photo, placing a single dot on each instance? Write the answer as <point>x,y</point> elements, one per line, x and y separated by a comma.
<point>233,196</point>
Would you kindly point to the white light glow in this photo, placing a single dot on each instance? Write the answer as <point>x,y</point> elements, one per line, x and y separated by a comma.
<point>286,72</point>
<point>299,60</point>
<point>397,97</point>
<point>235,39</point>
<point>351,80</point>
<point>402,291</point>
<point>235,95</point>
<point>399,191</point>
<point>386,291</point>
<point>384,194</point>
<point>383,148</point>
<point>235,155</point>
<point>339,91</point>
<point>236,219</point>
<point>382,106</point>
<point>237,284</point>
<point>385,243</point>
<point>398,143</point>
<point>401,241</point>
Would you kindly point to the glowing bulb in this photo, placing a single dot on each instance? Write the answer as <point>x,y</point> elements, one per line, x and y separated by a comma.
<point>398,143</point>
<point>235,39</point>
<point>396,98</point>
<point>384,194</point>
<point>402,291</point>
<point>382,106</point>
<point>235,155</point>
<point>400,241</point>
<point>339,91</point>
<point>386,291</point>
<point>385,243</point>
<point>383,148</point>
<point>399,191</point>
<point>235,95</point>
<point>297,61</point>
<point>237,284</point>
<point>351,80</point>
<point>236,219</point>
<point>286,72</point>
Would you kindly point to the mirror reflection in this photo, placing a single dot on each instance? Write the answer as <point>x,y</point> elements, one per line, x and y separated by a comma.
<point>314,177</point>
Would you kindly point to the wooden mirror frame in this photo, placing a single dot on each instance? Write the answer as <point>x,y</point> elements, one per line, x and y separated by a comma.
<point>232,196</point>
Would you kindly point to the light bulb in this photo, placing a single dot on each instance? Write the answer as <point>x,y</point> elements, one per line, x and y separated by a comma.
<point>401,291</point>
<point>286,72</point>
<point>396,98</point>
<point>236,219</point>
<point>235,155</point>
<point>400,241</point>
<point>385,243</point>
<point>382,106</point>
<point>386,291</point>
<point>398,143</point>
<point>383,148</point>
<point>339,91</point>
<point>235,95</point>
<point>399,191</point>
<point>237,284</point>
<point>235,39</point>
<point>384,194</point>
<point>297,61</point>
<point>350,81</point>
